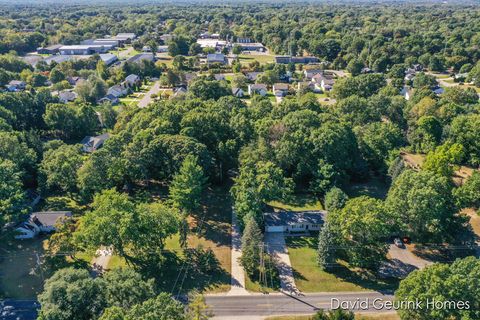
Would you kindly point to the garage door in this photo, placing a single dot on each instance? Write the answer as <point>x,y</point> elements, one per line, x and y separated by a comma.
<point>274,229</point>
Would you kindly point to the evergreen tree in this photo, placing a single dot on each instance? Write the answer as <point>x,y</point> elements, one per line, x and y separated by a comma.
<point>326,247</point>
<point>187,185</point>
<point>251,242</point>
<point>335,199</point>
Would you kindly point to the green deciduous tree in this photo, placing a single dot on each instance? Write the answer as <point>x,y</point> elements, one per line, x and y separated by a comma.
<point>335,199</point>
<point>58,168</point>
<point>422,205</point>
<point>361,225</point>
<point>457,282</point>
<point>12,197</point>
<point>71,294</point>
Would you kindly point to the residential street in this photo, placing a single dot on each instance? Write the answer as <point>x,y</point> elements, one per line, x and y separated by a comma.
<point>147,97</point>
<point>258,306</point>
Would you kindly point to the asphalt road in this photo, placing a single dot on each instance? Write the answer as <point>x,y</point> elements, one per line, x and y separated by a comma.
<point>257,306</point>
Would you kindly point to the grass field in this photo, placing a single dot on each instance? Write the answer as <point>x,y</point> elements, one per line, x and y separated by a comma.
<point>245,59</point>
<point>177,274</point>
<point>298,202</point>
<point>309,277</point>
<point>375,187</point>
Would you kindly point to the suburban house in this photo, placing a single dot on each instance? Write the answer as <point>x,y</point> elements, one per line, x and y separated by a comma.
<point>133,80</point>
<point>109,98</point>
<point>16,85</point>
<point>140,57</point>
<point>323,82</point>
<point>41,222</point>
<point>290,59</point>
<point>67,96</point>
<point>252,76</point>
<point>216,58</point>
<point>238,92</point>
<point>118,90</point>
<point>108,58</point>
<point>310,73</point>
<point>91,144</point>
<point>124,38</point>
<point>53,49</point>
<point>166,37</point>
<point>294,221</point>
<point>257,88</point>
<point>280,89</point>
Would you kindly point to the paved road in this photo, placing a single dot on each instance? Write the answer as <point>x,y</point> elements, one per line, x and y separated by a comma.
<point>276,246</point>
<point>147,97</point>
<point>258,306</point>
<point>238,275</point>
<point>101,260</point>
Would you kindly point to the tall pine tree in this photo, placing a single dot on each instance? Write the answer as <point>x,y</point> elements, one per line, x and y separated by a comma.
<point>326,247</point>
<point>188,185</point>
<point>251,242</point>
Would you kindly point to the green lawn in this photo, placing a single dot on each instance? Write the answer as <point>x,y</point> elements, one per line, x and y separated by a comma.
<point>261,58</point>
<point>177,274</point>
<point>298,202</point>
<point>374,187</point>
<point>254,286</point>
<point>309,277</point>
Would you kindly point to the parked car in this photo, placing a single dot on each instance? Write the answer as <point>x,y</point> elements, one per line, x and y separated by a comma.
<point>398,242</point>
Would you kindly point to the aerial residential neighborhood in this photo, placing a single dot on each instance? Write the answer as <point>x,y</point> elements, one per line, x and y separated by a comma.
<point>240,161</point>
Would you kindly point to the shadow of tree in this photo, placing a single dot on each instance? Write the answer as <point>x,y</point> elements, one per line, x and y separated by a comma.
<point>199,269</point>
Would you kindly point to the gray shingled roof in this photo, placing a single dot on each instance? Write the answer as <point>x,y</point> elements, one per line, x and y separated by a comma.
<point>284,218</point>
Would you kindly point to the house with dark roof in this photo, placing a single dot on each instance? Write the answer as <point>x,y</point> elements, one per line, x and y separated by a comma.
<point>41,222</point>
<point>216,58</point>
<point>238,92</point>
<point>140,57</point>
<point>67,96</point>
<point>280,89</point>
<point>294,221</point>
<point>91,144</point>
<point>16,85</point>
<point>252,76</point>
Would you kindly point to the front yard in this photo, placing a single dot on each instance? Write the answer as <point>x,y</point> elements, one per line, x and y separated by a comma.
<point>309,277</point>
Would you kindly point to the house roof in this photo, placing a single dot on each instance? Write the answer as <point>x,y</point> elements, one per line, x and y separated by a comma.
<point>212,57</point>
<point>281,86</point>
<point>284,218</point>
<point>235,91</point>
<point>141,56</point>
<point>257,86</point>
<point>16,83</point>
<point>252,75</point>
<point>67,95</point>
<point>95,142</point>
<point>132,78</point>
<point>48,218</point>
